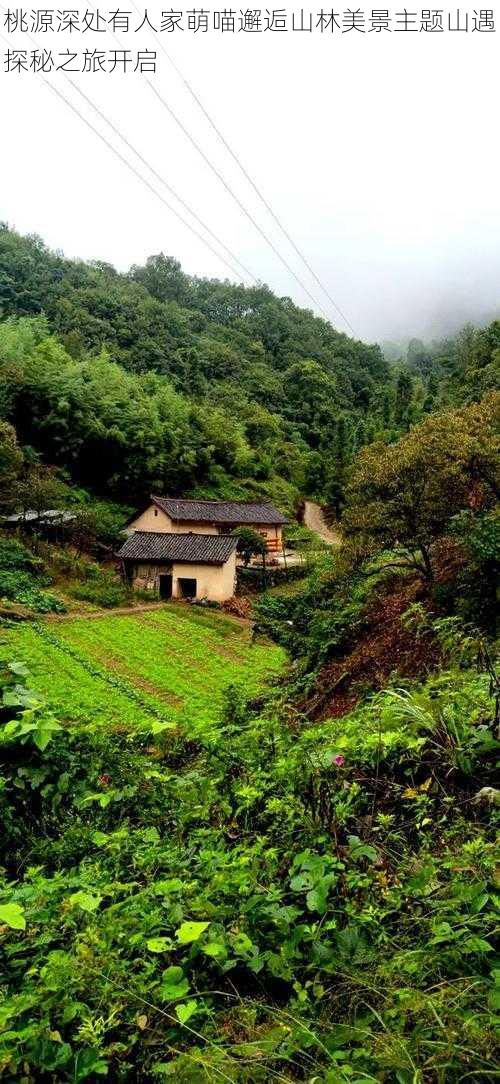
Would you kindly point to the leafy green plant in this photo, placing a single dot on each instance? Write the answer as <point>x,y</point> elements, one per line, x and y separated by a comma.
<point>197,878</point>
<point>250,544</point>
<point>103,589</point>
<point>23,716</point>
<point>22,576</point>
<point>14,556</point>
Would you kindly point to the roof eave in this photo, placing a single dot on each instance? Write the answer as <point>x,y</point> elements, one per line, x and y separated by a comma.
<point>173,561</point>
<point>280,520</point>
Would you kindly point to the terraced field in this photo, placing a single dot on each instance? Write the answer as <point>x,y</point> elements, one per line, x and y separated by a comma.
<point>170,665</point>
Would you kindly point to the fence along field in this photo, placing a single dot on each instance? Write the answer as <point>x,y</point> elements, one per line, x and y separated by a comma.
<point>131,671</point>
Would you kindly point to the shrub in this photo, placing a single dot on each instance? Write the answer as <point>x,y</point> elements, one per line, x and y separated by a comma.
<point>103,590</point>
<point>250,544</point>
<point>21,578</point>
<point>15,556</point>
<point>258,579</point>
<point>40,601</point>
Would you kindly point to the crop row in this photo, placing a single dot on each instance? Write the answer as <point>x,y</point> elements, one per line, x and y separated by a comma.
<point>97,672</point>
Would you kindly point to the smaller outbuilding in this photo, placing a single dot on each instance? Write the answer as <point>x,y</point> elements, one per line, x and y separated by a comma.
<point>190,565</point>
<point>52,524</point>
<point>52,517</point>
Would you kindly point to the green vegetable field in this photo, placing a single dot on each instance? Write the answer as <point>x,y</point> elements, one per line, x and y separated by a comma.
<point>171,663</point>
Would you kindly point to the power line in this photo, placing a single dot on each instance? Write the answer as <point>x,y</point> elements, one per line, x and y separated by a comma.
<point>236,198</point>
<point>257,190</point>
<point>161,179</point>
<point>136,172</point>
<point>139,175</point>
<point>211,166</point>
<point>217,173</point>
<point>221,178</point>
<point>250,180</point>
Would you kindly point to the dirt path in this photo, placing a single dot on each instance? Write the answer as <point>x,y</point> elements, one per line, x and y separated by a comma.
<point>126,611</point>
<point>315,520</point>
<point>86,615</point>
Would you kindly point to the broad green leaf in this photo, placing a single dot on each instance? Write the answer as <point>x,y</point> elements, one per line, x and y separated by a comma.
<point>158,727</point>
<point>476,944</point>
<point>215,948</point>
<point>241,943</point>
<point>12,914</point>
<point>150,835</point>
<point>301,882</point>
<point>172,884</point>
<point>316,899</point>
<point>185,1011</point>
<point>173,974</point>
<point>99,838</point>
<point>158,944</point>
<point>190,931</point>
<point>44,731</point>
<point>86,901</point>
<point>361,850</point>
<point>174,984</point>
<point>171,991</point>
<point>88,1063</point>
<point>12,699</point>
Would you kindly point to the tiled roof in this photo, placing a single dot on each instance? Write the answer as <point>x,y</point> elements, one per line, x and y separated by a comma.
<point>236,512</point>
<point>207,549</point>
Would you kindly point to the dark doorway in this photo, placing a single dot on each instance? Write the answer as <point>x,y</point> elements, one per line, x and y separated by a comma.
<point>187,588</point>
<point>165,587</point>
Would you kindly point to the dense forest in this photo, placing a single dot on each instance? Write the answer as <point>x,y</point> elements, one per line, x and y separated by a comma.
<point>258,850</point>
<point>154,380</point>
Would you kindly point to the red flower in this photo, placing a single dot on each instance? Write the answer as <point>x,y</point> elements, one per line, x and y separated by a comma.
<point>339,760</point>
<point>104,780</point>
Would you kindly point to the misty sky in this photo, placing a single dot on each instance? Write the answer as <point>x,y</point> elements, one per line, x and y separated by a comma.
<point>379,152</point>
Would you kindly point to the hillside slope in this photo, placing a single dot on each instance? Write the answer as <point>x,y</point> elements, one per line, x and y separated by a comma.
<point>292,879</point>
<point>154,380</point>
<point>236,391</point>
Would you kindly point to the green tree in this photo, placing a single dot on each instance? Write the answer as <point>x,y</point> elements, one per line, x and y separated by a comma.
<point>10,465</point>
<point>337,465</point>
<point>98,527</point>
<point>403,496</point>
<point>404,399</point>
<point>163,278</point>
<point>40,489</point>
<point>250,544</point>
<point>418,357</point>
<point>133,381</point>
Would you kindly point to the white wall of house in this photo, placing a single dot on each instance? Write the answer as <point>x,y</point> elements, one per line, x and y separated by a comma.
<point>215,582</point>
<point>155,519</point>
